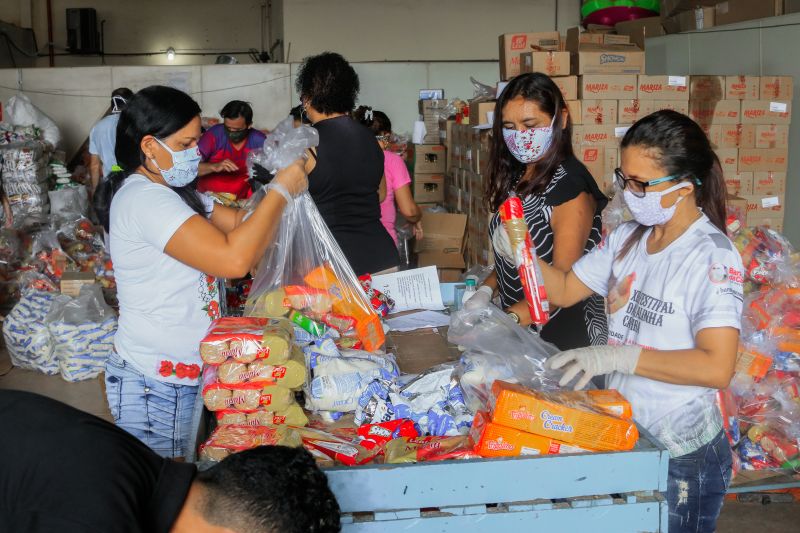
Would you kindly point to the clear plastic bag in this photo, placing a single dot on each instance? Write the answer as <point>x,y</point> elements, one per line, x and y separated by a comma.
<point>283,146</point>
<point>27,337</point>
<point>69,203</point>
<point>498,349</point>
<point>21,112</point>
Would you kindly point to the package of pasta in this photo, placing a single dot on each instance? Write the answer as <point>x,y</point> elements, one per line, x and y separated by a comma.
<point>229,439</point>
<point>419,449</point>
<point>292,415</point>
<point>218,396</point>
<point>305,276</point>
<point>572,419</point>
<point>245,339</point>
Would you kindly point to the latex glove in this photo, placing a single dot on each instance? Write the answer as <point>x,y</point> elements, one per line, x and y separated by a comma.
<point>480,300</point>
<point>502,245</point>
<point>595,361</point>
<point>418,233</point>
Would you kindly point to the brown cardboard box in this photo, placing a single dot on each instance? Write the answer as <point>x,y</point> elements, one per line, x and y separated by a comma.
<point>742,87</point>
<point>593,157</point>
<point>577,37</point>
<point>429,188</point>
<point>777,88</point>
<point>663,87</point>
<point>610,164</point>
<point>707,88</point>
<point>761,160</point>
<point>766,183</point>
<point>731,136</point>
<point>513,44</point>
<point>733,11</point>
<point>479,112</point>
<point>602,87</point>
<point>550,63</point>
<point>427,158</point>
<point>444,232</point>
<point>599,112</point>
<point>632,110</point>
<point>775,222</point>
<point>770,136</point>
<point>769,205</point>
<point>575,111</point>
<point>449,275</point>
<point>641,29</point>
<point>595,136</point>
<point>766,112</point>
<point>739,183</point>
<point>608,59</point>
<point>448,260</point>
<point>710,112</point>
<point>700,18</point>
<point>672,7</point>
<point>426,106</point>
<point>729,159</point>
<point>568,86</point>
<point>681,106</point>
<point>71,282</point>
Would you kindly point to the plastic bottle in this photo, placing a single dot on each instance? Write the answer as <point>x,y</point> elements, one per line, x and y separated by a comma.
<point>469,291</point>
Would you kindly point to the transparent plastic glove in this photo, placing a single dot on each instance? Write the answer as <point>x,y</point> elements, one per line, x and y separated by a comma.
<point>480,300</point>
<point>502,245</point>
<point>293,178</point>
<point>595,361</point>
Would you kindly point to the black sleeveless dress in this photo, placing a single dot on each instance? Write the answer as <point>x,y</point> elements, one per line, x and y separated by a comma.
<point>344,185</point>
<point>583,324</point>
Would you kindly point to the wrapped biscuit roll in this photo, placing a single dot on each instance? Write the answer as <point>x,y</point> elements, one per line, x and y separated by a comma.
<point>213,453</point>
<point>217,399</point>
<point>275,398</point>
<point>272,304</point>
<point>289,375</point>
<point>232,372</point>
<point>214,353</point>
<point>244,351</point>
<point>293,416</point>
<point>278,340</point>
<point>246,400</point>
<point>233,417</point>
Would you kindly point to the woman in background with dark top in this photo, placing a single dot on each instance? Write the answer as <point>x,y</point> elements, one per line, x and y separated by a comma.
<point>345,172</point>
<point>532,156</point>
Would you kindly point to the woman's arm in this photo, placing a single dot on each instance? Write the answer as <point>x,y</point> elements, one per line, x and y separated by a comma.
<point>406,204</point>
<point>226,219</point>
<point>201,245</point>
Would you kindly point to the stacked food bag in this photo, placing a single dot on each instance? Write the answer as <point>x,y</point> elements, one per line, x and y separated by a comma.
<point>25,176</point>
<point>761,408</point>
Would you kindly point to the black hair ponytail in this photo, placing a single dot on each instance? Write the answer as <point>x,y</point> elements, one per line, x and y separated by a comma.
<point>158,111</point>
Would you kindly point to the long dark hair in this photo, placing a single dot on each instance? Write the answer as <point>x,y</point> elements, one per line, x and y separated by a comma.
<point>158,111</point>
<point>679,145</point>
<point>504,170</point>
<point>377,121</point>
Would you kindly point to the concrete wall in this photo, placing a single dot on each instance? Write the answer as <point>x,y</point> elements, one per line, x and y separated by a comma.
<point>765,47</point>
<point>417,30</point>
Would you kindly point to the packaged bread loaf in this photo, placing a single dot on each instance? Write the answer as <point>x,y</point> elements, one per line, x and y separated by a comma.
<point>290,375</point>
<point>245,340</point>
<point>292,415</point>
<point>229,439</point>
<point>219,396</point>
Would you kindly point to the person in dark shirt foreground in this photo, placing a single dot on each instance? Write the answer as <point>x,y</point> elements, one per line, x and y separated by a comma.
<point>65,470</point>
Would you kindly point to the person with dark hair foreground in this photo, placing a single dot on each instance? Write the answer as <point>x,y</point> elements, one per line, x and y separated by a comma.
<point>225,147</point>
<point>673,282</point>
<point>169,243</point>
<point>531,155</point>
<point>67,471</point>
<point>345,172</point>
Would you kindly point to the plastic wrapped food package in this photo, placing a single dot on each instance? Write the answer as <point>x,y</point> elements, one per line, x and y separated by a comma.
<point>243,396</point>
<point>495,440</point>
<point>244,340</point>
<point>27,337</point>
<point>421,449</point>
<point>293,415</point>
<point>348,452</point>
<point>229,439</point>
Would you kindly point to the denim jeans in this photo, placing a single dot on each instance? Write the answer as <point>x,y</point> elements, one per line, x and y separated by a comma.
<point>697,485</point>
<point>159,414</point>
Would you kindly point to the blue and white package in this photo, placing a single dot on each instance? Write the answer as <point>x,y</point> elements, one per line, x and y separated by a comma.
<point>28,340</point>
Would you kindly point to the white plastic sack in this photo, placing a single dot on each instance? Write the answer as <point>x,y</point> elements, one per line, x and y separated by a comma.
<point>20,111</point>
<point>27,338</point>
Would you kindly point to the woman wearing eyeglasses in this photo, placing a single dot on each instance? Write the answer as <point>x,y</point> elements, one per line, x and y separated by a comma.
<point>673,281</point>
<point>531,155</point>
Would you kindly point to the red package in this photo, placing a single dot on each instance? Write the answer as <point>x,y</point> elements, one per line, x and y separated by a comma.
<point>418,449</point>
<point>349,453</point>
<point>513,218</point>
<point>385,431</point>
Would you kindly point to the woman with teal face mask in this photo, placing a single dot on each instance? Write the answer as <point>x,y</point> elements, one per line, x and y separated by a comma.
<point>531,155</point>
<point>673,282</point>
<point>169,243</point>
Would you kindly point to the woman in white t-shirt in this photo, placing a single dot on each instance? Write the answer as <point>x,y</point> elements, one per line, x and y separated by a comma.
<point>169,243</point>
<point>673,284</point>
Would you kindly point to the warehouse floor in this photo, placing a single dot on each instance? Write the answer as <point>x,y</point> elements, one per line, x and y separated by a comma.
<point>88,396</point>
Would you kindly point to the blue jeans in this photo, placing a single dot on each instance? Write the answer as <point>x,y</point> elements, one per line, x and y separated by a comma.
<point>158,414</point>
<point>697,485</point>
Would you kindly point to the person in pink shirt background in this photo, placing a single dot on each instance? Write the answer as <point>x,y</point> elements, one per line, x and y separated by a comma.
<point>398,182</point>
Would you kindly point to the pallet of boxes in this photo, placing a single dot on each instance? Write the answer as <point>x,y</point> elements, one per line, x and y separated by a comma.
<point>747,120</point>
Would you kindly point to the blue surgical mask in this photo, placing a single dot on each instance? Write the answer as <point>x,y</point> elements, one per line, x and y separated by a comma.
<point>184,166</point>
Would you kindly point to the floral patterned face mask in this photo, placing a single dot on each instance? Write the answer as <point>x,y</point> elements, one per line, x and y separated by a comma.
<point>528,146</point>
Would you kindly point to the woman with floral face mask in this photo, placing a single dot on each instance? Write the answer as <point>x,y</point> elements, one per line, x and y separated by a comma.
<point>169,243</point>
<point>532,156</point>
<point>674,285</point>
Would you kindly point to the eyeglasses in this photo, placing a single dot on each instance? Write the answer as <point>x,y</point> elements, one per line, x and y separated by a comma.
<point>638,188</point>
<point>383,138</point>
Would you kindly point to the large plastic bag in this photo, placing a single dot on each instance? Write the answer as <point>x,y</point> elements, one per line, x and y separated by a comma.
<point>28,340</point>
<point>497,348</point>
<point>25,178</point>
<point>282,146</point>
<point>69,203</point>
<point>20,111</point>
<point>304,272</point>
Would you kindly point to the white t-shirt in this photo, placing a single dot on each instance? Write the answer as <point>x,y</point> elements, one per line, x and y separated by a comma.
<point>661,301</point>
<point>165,305</point>
<point>103,141</point>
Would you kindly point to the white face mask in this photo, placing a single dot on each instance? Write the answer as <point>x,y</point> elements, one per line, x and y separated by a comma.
<point>647,211</point>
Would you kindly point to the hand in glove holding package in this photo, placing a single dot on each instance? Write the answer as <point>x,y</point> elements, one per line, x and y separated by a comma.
<point>595,361</point>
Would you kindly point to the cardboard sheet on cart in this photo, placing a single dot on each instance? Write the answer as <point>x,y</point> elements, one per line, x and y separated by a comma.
<point>419,350</point>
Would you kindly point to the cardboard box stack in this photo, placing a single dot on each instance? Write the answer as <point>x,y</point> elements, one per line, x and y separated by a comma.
<point>691,15</point>
<point>747,120</point>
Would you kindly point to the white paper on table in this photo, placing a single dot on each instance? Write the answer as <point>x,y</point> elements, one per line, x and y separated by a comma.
<point>411,289</point>
<point>420,320</point>
<point>418,135</point>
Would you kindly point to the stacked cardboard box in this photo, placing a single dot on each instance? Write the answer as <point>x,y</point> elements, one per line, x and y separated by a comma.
<point>690,15</point>
<point>430,111</point>
<point>747,121</point>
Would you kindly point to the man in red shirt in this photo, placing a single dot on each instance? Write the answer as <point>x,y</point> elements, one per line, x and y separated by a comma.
<point>224,148</point>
